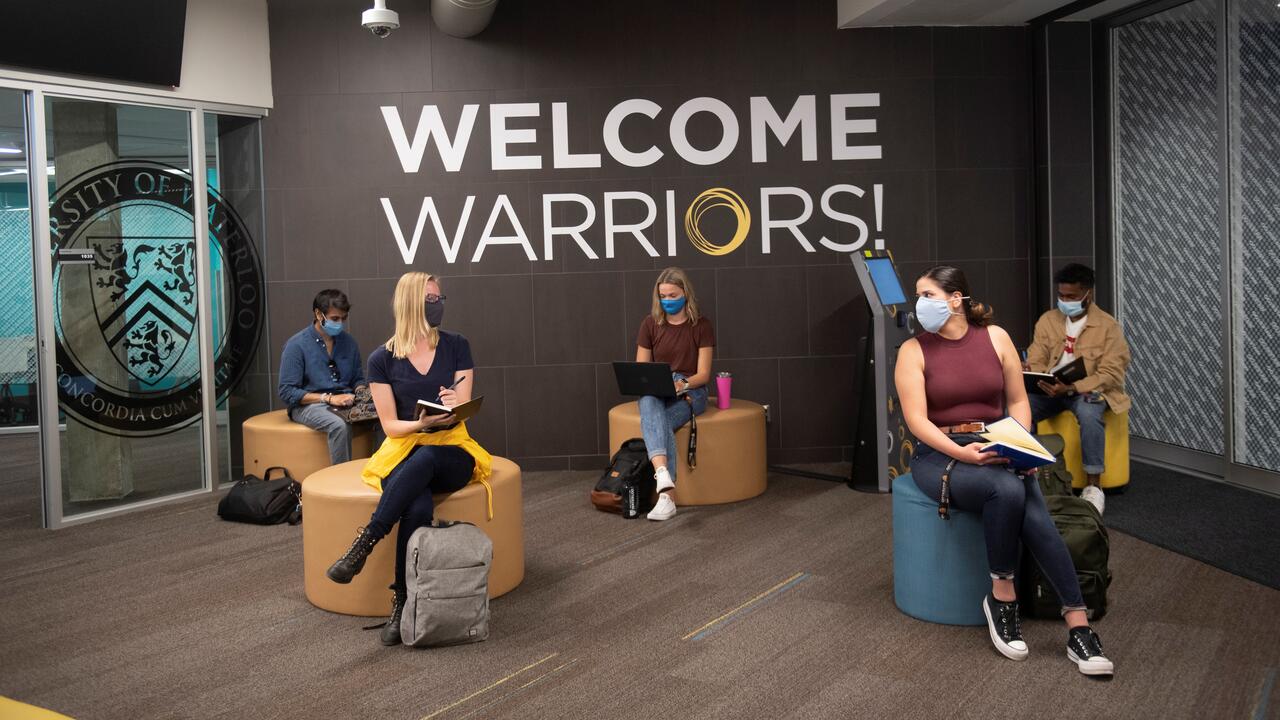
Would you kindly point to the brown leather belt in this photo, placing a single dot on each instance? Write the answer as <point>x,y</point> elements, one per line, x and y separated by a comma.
<point>970,427</point>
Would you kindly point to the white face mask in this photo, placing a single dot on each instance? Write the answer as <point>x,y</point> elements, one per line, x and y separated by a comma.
<point>932,313</point>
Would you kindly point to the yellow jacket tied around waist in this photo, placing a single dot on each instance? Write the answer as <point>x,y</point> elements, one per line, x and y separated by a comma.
<point>394,450</point>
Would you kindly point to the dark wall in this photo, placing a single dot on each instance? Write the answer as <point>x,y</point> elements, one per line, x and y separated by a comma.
<point>953,123</point>
<point>1065,151</point>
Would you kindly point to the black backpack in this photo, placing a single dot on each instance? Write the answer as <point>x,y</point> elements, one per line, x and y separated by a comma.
<point>629,472</point>
<point>1086,537</point>
<point>263,501</point>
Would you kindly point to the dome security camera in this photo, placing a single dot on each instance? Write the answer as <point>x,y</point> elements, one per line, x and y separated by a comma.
<point>379,20</point>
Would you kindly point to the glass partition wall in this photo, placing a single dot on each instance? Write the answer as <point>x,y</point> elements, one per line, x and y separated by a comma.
<point>1195,198</point>
<point>133,342</point>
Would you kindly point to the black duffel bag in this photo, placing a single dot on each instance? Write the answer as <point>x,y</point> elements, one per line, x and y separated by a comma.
<point>263,501</point>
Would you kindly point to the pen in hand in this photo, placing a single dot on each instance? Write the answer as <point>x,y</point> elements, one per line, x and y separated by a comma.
<point>455,384</point>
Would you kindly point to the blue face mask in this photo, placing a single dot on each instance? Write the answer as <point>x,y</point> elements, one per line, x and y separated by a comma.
<point>671,307</point>
<point>333,329</point>
<point>932,314</point>
<point>1071,308</point>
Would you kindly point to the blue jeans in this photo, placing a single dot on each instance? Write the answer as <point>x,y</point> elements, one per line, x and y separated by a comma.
<point>659,420</point>
<point>318,416</point>
<point>406,493</point>
<point>1088,409</point>
<point>1013,512</point>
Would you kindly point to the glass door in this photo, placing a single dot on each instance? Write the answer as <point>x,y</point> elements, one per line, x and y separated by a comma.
<point>124,292</point>
<point>19,406</point>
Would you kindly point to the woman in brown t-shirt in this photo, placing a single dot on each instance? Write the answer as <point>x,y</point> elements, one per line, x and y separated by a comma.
<point>673,332</point>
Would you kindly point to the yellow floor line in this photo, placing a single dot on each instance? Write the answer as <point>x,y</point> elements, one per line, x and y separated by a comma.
<point>484,690</point>
<point>743,605</point>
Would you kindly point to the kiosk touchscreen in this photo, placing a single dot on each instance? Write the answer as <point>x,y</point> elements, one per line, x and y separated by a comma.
<point>882,444</point>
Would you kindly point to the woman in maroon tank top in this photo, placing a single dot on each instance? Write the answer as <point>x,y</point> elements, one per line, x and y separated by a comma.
<point>961,373</point>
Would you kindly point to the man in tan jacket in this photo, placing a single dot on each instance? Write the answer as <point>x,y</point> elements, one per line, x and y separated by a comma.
<point>1078,328</point>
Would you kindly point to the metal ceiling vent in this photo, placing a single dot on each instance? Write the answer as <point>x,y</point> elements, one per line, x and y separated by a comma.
<point>462,18</point>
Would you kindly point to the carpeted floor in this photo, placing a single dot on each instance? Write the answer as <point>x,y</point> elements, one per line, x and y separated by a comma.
<point>776,607</point>
<point>1226,526</point>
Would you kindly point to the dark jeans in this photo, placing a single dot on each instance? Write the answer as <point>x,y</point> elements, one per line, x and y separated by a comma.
<point>1013,511</point>
<point>406,493</point>
<point>1088,409</point>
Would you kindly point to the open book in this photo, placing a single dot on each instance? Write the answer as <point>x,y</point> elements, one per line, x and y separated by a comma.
<point>1067,374</point>
<point>1008,438</point>
<point>464,411</point>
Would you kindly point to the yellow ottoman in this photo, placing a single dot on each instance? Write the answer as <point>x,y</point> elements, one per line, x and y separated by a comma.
<point>1116,458</point>
<point>335,502</point>
<point>13,710</point>
<point>272,439</point>
<point>731,451</point>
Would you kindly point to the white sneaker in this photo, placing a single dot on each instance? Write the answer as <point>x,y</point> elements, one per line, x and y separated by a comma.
<point>1094,495</point>
<point>663,476</point>
<point>665,509</point>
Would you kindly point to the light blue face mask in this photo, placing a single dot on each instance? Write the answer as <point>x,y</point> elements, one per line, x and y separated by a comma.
<point>932,314</point>
<point>1071,308</point>
<point>333,329</point>
<point>671,307</point>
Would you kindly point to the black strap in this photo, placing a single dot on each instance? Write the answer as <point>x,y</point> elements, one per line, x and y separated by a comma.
<point>944,504</point>
<point>267,475</point>
<point>693,435</point>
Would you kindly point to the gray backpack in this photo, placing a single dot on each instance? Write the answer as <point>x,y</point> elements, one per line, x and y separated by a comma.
<point>447,578</point>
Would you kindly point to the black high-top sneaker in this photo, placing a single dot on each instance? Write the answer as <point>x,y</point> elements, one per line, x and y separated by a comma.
<point>352,562</point>
<point>1084,647</point>
<point>1005,627</point>
<point>391,631</point>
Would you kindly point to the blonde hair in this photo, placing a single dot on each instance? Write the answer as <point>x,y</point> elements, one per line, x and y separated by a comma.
<point>675,276</point>
<point>411,317</point>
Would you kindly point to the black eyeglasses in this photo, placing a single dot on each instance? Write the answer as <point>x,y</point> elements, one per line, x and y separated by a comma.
<point>333,370</point>
<point>433,298</point>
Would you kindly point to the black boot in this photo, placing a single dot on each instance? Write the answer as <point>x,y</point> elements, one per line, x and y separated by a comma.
<point>352,562</point>
<point>391,631</point>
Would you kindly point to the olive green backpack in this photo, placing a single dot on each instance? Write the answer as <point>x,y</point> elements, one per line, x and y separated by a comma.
<point>1080,525</point>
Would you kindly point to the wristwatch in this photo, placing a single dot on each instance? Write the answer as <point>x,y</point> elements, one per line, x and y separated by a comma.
<point>325,398</point>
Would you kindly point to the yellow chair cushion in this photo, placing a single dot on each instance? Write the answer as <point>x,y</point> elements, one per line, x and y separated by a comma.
<point>13,710</point>
<point>1116,458</point>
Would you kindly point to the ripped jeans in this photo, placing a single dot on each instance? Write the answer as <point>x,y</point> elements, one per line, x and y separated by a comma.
<point>660,418</point>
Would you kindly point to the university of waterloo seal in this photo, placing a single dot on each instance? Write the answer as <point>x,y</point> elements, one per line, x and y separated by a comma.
<point>126,322</point>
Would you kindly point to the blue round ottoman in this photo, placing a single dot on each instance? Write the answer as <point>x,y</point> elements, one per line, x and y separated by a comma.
<point>939,566</point>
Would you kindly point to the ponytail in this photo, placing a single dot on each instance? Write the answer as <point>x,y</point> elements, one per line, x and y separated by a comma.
<point>977,313</point>
<point>952,280</point>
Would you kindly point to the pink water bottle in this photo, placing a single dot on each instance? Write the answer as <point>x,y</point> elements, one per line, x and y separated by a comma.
<point>723,381</point>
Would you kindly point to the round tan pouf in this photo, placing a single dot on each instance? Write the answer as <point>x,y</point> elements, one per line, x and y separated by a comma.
<point>731,451</point>
<point>336,502</point>
<point>272,439</point>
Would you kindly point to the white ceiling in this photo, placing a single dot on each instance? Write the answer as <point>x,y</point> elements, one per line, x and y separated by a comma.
<point>915,13</point>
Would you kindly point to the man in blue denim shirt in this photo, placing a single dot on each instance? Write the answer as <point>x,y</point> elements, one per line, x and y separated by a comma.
<point>320,369</point>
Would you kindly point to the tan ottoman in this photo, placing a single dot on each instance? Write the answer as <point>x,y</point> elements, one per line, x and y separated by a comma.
<point>731,451</point>
<point>335,502</point>
<point>272,439</point>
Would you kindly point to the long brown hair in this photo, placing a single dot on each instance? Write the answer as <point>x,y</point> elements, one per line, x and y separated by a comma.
<point>675,276</point>
<point>952,280</point>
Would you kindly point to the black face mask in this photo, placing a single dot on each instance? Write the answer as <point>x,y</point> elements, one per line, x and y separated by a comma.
<point>435,312</point>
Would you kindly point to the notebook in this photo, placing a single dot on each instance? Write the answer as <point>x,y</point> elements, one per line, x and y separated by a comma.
<point>1009,439</point>
<point>1070,373</point>
<point>462,412</point>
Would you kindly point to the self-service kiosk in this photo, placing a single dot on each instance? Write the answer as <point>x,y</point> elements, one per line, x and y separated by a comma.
<point>882,444</point>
